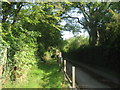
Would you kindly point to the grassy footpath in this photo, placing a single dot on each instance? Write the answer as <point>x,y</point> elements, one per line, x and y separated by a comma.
<point>46,75</point>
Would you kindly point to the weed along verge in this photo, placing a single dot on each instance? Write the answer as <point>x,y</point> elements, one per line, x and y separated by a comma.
<point>46,75</point>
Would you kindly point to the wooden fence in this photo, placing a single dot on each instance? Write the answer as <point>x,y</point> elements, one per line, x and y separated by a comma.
<point>71,79</point>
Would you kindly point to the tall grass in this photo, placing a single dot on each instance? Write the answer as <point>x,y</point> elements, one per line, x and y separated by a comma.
<point>45,75</point>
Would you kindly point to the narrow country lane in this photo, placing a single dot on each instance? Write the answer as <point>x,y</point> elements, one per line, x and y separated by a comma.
<point>85,79</point>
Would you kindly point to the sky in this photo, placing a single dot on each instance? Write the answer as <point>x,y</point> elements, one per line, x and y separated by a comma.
<point>69,34</point>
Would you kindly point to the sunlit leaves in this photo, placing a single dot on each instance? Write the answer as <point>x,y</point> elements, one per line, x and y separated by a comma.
<point>96,15</point>
<point>6,1</point>
<point>75,43</point>
<point>28,28</point>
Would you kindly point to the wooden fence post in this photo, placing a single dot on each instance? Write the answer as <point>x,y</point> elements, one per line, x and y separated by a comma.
<point>64,70</point>
<point>73,76</point>
<point>65,66</point>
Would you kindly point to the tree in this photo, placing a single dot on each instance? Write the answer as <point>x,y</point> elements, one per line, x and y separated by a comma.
<point>96,16</point>
<point>27,28</point>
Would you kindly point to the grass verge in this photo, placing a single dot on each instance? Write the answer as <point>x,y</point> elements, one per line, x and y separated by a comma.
<point>45,75</point>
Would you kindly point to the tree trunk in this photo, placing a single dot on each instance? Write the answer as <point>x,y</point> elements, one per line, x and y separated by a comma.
<point>93,37</point>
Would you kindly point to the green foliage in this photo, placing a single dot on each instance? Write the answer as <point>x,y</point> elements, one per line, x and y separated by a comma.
<point>29,29</point>
<point>72,25</point>
<point>112,31</point>
<point>46,56</point>
<point>102,21</point>
<point>1,46</point>
<point>96,18</point>
<point>46,76</point>
<point>74,43</point>
<point>1,51</point>
<point>6,1</point>
<point>24,60</point>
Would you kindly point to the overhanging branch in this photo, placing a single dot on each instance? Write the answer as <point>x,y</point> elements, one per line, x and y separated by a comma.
<point>68,16</point>
<point>16,14</point>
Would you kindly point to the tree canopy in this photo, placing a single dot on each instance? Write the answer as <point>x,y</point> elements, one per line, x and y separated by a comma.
<point>96,19</point>
<point>29,30</point>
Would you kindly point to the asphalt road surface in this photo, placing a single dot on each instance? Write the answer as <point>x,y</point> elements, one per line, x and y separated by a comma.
<point>87,79</point>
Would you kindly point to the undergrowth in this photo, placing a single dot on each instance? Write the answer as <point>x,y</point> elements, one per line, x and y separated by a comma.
<point>45,75</point>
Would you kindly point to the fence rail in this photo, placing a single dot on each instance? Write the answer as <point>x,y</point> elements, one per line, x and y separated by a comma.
<point>67,77</point>
<point>73,71</point>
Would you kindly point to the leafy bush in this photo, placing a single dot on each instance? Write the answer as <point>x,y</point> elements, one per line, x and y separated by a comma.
<point>74,43</point>
<point>46,56</point>
<point>24,60</point>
